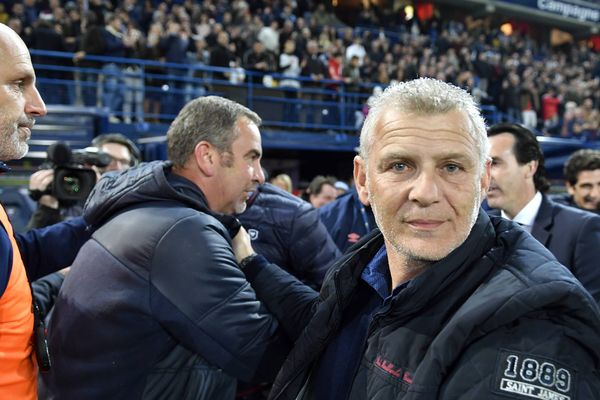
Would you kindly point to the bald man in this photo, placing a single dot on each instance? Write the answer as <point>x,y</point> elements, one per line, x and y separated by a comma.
<point>24,257</point>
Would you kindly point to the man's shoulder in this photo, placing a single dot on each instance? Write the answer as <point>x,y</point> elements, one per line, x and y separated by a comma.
<point>339,206</point>
<point>524,259</point>
<point>566,216</point>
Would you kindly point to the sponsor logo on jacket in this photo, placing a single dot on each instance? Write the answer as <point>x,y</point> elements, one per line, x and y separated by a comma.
<point>533,377</point>
<point>353,237</point>
<point>253,233</point>
<point>393,370</point>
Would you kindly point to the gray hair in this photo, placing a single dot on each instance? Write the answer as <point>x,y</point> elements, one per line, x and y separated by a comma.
<point>426,96</point>
<point>210,118</point>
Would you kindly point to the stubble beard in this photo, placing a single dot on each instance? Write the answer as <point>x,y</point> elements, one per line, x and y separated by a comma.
<point>240,207</point>
<point>418,260</point>
<point>12,147</point>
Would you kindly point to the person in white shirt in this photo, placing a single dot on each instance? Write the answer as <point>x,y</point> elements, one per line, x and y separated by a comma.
<point>517,189</point>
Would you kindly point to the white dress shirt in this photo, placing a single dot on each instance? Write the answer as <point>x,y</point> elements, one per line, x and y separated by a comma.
<point>527,215</point>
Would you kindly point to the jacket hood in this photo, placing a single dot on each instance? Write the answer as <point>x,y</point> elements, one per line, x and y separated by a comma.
<point>143,183</point>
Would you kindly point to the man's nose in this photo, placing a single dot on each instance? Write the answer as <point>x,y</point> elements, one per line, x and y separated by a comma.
<point>34,105</point>
<point>424,190</point>
<point>259,174</point>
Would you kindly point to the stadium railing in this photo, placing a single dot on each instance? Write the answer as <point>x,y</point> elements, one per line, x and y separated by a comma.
<point>126,87</point>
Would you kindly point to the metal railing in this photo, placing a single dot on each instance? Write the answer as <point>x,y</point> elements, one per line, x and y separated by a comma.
<point>137,91</point>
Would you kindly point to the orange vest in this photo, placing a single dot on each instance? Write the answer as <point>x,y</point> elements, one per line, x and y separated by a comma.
<point>17,360</point>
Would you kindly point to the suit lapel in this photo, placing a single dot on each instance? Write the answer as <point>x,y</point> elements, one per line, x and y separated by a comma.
<point>543,222</point>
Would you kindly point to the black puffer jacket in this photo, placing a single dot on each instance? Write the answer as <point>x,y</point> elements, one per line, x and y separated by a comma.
<point>155,306</point>
<point>497,318</point>
<point>288,232</point>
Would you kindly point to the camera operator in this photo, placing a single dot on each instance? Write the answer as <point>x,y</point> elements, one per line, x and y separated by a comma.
<point>123,154</point>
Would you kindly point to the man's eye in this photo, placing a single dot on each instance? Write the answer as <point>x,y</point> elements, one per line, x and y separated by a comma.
<point>452,168</point>
<point>399,167</point>
<point>19,85</point>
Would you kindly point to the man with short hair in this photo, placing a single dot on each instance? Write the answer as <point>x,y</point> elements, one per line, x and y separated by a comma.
<point>442,301</point>
<point>122,151</point>
<point>321,191</point>
<point>518,190</point>
<point>155,305</point>
<point>582,175</point>
<point>37,253</point>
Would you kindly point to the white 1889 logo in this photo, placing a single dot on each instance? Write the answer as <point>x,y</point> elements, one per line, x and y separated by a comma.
<point>535,379</point>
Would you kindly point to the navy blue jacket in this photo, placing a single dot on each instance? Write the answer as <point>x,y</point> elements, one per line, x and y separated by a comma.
<point>573,236</point>
<point>43,250</point>
<point>288,232</point>
<point>155,305</point>
<point>347,219</point>
<point>497,318</point>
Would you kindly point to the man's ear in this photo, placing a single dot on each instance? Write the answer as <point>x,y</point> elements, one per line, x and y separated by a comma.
<point>570,189</point>
<point>360,179</point>
<point>532,167</point>
<point>206,158</point>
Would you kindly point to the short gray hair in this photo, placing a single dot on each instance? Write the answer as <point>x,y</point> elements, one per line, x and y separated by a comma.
<point>210,118</point>
<point>426,96</point>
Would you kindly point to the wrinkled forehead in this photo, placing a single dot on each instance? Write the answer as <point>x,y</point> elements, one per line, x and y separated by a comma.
<point>452,124</point>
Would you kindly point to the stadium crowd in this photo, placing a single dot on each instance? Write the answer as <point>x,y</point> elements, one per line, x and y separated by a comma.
<point>556,90</point>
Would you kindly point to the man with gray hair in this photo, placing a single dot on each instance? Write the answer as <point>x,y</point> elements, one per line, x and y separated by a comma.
<point>442,301</point>
<point>155,305</point>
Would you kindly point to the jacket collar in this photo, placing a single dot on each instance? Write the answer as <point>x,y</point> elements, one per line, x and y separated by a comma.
<point>190,191</point>
<point>543,221</point>
<point>434,280</point>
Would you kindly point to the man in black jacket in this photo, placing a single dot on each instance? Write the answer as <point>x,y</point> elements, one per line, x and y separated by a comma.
<point>155,305</point>
<point>443,302</point>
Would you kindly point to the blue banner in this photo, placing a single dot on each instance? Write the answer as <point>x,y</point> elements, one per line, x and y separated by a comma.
<point>583,13</point>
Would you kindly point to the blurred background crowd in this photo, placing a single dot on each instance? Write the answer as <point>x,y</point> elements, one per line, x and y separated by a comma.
<point>555,89</point>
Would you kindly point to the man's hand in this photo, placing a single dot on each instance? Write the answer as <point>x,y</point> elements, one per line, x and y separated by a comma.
<point>41,180</point>
<point>242,247</point>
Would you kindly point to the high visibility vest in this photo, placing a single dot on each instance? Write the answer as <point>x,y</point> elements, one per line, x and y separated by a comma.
<point>17,360</point>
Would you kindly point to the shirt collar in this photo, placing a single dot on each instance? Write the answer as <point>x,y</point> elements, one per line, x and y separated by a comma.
<point>527,215</point>
<point>376,273</point>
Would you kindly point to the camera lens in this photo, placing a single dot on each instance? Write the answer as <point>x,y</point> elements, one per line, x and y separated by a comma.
<point>71,185</point>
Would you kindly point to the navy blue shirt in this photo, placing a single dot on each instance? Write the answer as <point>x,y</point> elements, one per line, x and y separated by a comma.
<point>340,361</point>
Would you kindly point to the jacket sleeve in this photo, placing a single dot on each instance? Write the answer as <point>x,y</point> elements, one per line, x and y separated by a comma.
<point>44,216</point>
<point>292,301</point>
<point>205,302</point>
<point>587,254</point>
<point>533,358</point>
<point>312,251</point>
<point>45,290</point>
<point>49,249</point>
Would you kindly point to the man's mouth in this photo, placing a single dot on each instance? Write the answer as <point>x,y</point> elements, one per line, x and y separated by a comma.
<point>27,131</point>
<point>425,224</point>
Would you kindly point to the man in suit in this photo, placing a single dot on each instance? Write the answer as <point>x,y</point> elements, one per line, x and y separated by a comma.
<point>517,189</point>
